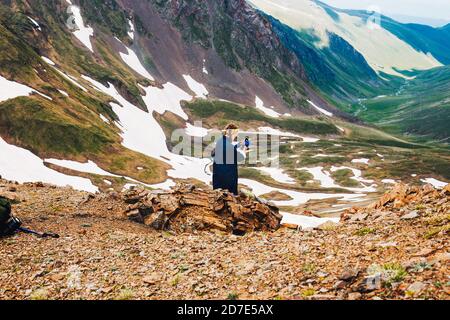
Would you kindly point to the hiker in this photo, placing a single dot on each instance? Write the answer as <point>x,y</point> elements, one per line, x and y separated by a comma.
<point>227,155</point>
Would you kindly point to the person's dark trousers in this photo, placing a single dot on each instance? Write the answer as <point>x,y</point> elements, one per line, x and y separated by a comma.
<point>225,169</point>
<point>226,177</point>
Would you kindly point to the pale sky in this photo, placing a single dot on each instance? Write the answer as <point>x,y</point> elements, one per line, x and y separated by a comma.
<point>436,12</point>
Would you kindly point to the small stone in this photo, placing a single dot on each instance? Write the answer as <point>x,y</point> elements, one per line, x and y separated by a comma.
<point>349,275</point>
<point>354,296</point>
<point>442,257</point>
<point>151,279</point>
<point>359,217</point>
<point>387,244</point>
<point>106,290</point>
<point>57,277</point>
<point>291,226</point>
<point>447,189</point>
<point>369,284</point>
<point>410,216</point>
<point>424,252</point>
<point>416,287</point>
<point>322,274</point>
<point>328,226</point>
<point>340,285</point>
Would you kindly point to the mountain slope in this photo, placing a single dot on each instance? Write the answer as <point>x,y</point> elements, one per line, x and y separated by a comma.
<point>338,69</point>
<point>421,107</point>
<point>362,66</point>
<point>426,39</point>
<point>384,51</point>
<point>75,87</point>
<point>94,106</point>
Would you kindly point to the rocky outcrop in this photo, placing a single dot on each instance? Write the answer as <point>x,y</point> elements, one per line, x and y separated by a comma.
<point>187,209</point>
<point>400,199</point>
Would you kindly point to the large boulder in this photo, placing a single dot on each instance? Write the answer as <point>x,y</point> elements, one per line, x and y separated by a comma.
<point>187,208</point>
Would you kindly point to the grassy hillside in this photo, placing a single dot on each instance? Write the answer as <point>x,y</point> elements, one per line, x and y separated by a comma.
<point>67,126</point>
<point>421,107</point>
<point>220,113</point>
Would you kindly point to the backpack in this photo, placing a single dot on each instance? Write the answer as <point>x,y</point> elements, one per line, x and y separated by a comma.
<point>8,224</point>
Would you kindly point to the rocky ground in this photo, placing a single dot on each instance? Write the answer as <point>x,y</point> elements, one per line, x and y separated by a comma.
<point>396,249</point>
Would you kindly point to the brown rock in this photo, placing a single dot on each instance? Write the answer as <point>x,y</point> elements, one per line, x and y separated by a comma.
<point>157,220</point>
<point>291,226</point>
<point>189,208</point>
<point>349,275</point>
<point>329,225</point>
<point>354,296</point>
<point>447,189</point>
<point>151,279</point>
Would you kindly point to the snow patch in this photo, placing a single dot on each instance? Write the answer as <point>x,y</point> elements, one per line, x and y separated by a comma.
<point>205,71</point>
<point>267,111</point>
<point>276,132</point>
<point>35,23</point>
<point>11,89</point>
<point>142,133</point>
<point>323,176</point>
<point>357,175</point>
<point>88,167</point>
<point>166,99</point>
<point>43,95</point>
<point>131,32</point>
<point>298,198</point>
<point>47,60</point>
<point>194,131</point>
<point>309,139</point>
<point>305,221</point>
<point>105,119</point>
<point>63,93</point>
<point>198,88</point>
<point>321,110</point>
<point>132,60</point>
<point>435,183</point>
<point>167,185</point>
<point>324,155</point>
<point>363,161</point>
<point>71,80</point>
<point>84,33</point>
<point>23,166</point>
<point>277,174</point>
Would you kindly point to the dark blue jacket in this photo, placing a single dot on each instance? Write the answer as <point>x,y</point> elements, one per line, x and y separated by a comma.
<point>225,168</point>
